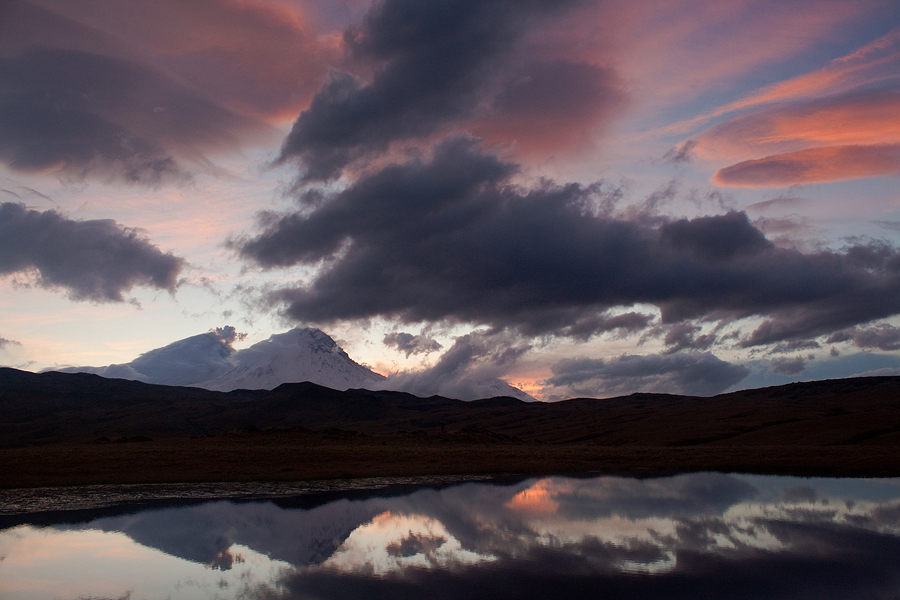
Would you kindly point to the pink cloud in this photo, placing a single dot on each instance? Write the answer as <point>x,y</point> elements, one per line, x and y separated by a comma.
<point>863,118</point>
<point>844,137</point>
<point>671,51</point>
<point>875,62</point>
<point>814,165</point>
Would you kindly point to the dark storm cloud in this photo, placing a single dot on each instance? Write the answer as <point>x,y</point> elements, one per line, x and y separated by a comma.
<point>78,113</point>
<point>859,285</point>
<point>411,344</point>
<point>883,337</point>
<point>586,326</point>
<point>439,62</point>
<point>683,336</point>
<point>95,260</point>
<point>689,373</point>
<point>546,106</point>
<point>451,239</point>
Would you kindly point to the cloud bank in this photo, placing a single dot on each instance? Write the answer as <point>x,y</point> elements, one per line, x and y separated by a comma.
<point>472,368</point>
<point>97,260</point>
<point>452,239</point>
<point>700,374</point>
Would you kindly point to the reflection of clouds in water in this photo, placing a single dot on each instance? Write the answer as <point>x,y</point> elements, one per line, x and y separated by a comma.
<point>537,498</point>
<point>533,537</point>
<point>390,543</point>
<point>695,513</point>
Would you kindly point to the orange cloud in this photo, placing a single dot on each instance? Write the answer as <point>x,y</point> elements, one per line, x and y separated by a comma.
<point>539,498</point>
<point>856,119</point>
<point>831,139</point>
<point>815,165</point>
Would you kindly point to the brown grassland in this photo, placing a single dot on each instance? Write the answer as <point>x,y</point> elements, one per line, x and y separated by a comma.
<point>74,430</point>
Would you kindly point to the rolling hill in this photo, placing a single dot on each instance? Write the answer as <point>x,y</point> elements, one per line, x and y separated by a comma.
<point>57,407</point>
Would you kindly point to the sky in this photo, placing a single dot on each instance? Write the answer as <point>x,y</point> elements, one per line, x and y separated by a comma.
<point>578,197</point>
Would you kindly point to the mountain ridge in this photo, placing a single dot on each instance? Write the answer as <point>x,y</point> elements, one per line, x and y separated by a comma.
<point>57,407</point>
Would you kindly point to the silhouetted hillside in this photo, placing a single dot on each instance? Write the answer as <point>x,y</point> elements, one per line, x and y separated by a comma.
<point>57,407</point>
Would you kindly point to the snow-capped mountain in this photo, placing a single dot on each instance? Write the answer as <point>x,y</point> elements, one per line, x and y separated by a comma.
<point>209,361</point>
<point>185,362</point>
<point>301,354</point>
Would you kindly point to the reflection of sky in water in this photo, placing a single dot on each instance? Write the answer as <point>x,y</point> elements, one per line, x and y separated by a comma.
<point>690,536</point>
<point>47,563</point>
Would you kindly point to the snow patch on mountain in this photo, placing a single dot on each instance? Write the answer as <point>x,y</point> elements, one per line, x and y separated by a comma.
<point>210,361</point>
<point>301,354</point>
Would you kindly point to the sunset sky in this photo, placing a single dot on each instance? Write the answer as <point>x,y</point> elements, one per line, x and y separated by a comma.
<point>583,198</point>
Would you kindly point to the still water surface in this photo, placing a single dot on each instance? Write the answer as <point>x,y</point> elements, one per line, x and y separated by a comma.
<point>696,536</point>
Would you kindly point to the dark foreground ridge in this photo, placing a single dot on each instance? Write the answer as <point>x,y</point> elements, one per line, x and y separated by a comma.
<point>80,428</point>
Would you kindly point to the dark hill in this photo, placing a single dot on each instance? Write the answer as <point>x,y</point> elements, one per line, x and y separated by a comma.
<point>56,407</point>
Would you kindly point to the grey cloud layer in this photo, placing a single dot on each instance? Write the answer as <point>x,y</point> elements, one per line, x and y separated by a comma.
<point>82,113</point>
<point>472,368</point>
<point>439,63</point>
<point>93,260</point>
<point>411,344</point>
<point>693,373</point>
<point>884,337</point>
<point>452,239</point>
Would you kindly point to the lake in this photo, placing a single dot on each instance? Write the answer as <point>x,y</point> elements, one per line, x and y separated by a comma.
<point>693,536</point>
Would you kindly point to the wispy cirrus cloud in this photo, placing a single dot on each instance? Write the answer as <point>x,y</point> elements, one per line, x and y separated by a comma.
<point>876,63</point>
<point>840,122</point>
